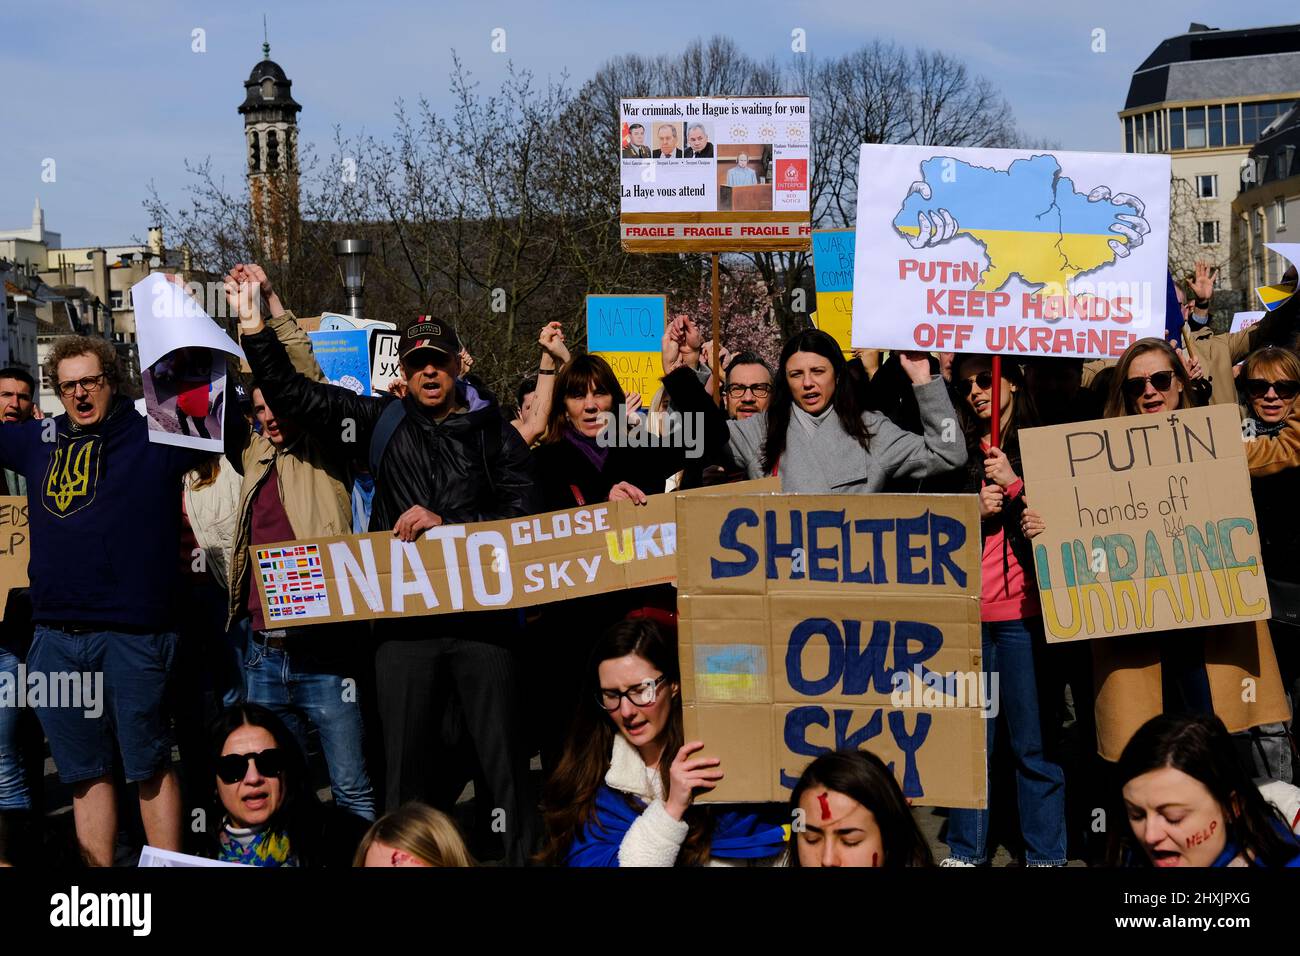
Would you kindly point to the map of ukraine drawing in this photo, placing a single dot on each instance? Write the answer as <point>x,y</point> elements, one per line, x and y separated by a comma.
<point>1029,219</point>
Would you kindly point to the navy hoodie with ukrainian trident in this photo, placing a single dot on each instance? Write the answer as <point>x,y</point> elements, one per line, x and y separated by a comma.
<point>104,506</point>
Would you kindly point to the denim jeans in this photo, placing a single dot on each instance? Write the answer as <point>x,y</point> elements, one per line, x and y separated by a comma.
<point>13,781</point>
<point>1010,649</point>
<point>308,686</point>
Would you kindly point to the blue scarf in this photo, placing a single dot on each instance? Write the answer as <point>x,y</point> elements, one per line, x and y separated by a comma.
<point>736,836</point>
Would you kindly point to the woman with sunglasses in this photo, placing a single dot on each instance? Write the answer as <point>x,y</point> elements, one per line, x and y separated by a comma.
<point>1270,381</point>
<point>622,793</point>
<point>1013,645</point>
<point>818,440</point>
<point>1191,670</point>
<point>1190,803</point>
<point>271,817</point>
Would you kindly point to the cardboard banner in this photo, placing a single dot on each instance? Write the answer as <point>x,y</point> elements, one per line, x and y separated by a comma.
<point>715,174</point>
<point>833,273</point>
<point>491,565</point>
<point>344,357</point>
<point>627,331</point>
<point>15,546</point>
<point>816,623</point>
<point>1010,251</point>
<point>1150,524</point>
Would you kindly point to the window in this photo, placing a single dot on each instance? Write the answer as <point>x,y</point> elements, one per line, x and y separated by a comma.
<point>1259,221</point>
<point>1128,135</point>
<point>1209,232</point>
<point>1196,127</point>
<point>1216,125</point>
<point>1207,186</point>
<point>115,299</point>
<point>1176,129</point>
<point>1280,208</point>
<point>1158,122</point>
<point>1232,131</point>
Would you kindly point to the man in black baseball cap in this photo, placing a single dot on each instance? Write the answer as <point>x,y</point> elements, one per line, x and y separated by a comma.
<point>429,350</point>
<point>443,454</point>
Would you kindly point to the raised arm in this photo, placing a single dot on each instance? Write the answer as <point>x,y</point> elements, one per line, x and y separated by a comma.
<point>555,354</point>
<point>940,448</point>
<point>330,411</point>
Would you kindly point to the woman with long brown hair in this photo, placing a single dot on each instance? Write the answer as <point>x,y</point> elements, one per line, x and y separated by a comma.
<point>1196,670</point>
<point>622,792</point>
<point>583,460</point>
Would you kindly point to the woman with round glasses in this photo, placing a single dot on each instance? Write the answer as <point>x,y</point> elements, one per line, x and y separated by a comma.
<point>1013,646</point>
<point>1190,670</point>
<point>622,793</point>
<point>271,816</point>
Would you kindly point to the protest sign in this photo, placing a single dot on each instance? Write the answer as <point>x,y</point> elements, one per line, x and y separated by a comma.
<point>833,274</point>
<point>715,174</point>
<point>336,322</point>
<point>1150,524</point>
<point>1244,320</point>
<point>344,357</point>
<point>817,623</point>
<point>183,365</point>
<point>15,546</point>
<point>385,366</point>
<point>1272,296</point>
<point>1010,251</point>
<point>627,332</point>
<point>151,856</point>
<point>516,562</point>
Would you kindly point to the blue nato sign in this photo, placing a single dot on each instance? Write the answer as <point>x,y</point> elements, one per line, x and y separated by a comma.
<point>626,323</point>
<point>833,260</point>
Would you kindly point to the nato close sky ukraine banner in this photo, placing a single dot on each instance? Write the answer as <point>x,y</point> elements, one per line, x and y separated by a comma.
<point>815,623</point>
<point>1010,251</point>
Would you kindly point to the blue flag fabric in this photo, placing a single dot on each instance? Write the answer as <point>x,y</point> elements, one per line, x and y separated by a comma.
<point>1173,315</point>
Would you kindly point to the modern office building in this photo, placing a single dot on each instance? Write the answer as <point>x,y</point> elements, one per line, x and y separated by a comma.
<point>1206,97</point>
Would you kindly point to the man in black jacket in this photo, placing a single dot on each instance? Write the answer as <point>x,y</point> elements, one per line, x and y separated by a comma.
<point>443,454</point>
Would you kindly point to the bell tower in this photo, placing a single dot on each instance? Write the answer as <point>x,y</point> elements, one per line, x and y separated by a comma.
<point>271,134</point>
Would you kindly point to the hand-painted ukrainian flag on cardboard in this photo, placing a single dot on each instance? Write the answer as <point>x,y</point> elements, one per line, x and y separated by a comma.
<point>1010,251</point>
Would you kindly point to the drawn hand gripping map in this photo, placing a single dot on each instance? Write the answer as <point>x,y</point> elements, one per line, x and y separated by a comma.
<point>1029,219</point>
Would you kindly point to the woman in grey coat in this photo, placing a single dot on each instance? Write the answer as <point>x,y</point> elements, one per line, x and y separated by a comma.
<point>816,440</point>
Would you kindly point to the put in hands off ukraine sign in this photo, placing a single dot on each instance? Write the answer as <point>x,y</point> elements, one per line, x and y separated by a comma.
<point>1010,251</point>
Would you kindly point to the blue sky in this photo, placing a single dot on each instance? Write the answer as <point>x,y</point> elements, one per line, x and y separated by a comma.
<point>115,95</point>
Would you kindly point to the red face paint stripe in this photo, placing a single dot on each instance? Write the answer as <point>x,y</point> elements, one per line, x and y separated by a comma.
<point>826,806</point>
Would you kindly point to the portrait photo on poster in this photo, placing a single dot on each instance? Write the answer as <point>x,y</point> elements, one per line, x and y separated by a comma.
<point>184,398</point>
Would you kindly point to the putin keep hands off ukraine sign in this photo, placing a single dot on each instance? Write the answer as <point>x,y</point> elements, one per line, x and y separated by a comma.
<point>1010,251</point>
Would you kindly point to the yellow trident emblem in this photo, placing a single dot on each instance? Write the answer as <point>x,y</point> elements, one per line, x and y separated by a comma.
<point>69,473</point>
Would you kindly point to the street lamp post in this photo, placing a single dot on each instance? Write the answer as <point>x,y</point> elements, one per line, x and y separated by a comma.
<point>352,254</point>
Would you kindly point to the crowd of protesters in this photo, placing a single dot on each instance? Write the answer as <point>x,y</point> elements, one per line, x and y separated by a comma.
<point>140,573</point>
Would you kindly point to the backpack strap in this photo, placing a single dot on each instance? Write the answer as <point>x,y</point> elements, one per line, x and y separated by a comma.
<point>389,419</point>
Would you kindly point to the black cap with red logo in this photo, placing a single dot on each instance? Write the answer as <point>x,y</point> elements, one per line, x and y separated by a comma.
<point>426,332</point>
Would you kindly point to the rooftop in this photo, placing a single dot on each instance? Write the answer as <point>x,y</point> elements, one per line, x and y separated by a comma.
<point>1209,64</point>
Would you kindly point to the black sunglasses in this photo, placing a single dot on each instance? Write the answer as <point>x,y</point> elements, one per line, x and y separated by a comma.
<point>1134,387</point>
<point>1285,389</point>
<point>232,767</point>
<point>983,379</point>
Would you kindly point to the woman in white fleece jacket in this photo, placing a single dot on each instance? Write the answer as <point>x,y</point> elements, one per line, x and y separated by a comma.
<point>621,794</point>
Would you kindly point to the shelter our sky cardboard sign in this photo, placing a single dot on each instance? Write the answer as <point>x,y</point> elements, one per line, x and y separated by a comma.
<point>1150,524</point>
<point>816,623</point>
<point>517,562</point>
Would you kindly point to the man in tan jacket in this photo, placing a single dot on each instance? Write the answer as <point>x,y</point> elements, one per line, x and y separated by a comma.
<point>295,486</point>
